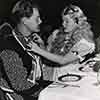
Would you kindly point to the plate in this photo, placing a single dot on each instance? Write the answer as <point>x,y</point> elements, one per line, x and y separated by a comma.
<point>70,78</point>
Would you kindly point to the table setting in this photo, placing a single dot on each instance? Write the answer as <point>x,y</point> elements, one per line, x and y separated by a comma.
<point>80,84</point>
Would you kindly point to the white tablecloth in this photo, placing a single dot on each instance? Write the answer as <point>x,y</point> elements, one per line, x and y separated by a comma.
<point>86,89</point>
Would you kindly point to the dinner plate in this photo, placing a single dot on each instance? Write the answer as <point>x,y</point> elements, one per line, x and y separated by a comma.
<point>70,78</point>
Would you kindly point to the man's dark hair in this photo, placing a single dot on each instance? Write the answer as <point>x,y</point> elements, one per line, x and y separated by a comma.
<point>23,8</point>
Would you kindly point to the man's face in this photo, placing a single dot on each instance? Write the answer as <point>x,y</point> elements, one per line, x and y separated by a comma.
<point>34,21</point>
<point>68,23</point>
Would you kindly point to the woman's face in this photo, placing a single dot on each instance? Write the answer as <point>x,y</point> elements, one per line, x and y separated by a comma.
<point>68,23</point>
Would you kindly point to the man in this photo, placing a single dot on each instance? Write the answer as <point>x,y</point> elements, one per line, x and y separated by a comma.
<point>22,68</point>
<point>21,72</point>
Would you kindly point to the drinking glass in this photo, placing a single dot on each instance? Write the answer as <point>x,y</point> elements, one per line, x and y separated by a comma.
<point>98,76</point>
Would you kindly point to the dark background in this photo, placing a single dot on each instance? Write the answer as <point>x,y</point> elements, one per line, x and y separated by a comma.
<point>51,11</point>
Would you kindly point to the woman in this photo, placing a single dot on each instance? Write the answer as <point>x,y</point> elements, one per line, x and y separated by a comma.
<point>74,37</point>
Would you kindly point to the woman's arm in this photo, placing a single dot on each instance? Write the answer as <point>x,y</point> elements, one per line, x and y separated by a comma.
<point>68,58</point>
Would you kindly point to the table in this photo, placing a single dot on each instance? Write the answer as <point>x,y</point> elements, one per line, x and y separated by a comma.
<point>85,89</point>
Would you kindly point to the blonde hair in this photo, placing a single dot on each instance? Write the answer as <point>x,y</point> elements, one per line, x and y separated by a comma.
<point>84,28</point>
<point>75,13</point>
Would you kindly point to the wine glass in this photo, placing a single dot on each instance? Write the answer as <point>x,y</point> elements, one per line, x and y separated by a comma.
<point>98,77</point>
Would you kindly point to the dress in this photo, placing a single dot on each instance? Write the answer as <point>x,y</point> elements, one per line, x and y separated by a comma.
<point>61,43</point>
<point>18,67</point>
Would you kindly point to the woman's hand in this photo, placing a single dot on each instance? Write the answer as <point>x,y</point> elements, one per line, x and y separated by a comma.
<point>37,38</point>
<point>33,47</point>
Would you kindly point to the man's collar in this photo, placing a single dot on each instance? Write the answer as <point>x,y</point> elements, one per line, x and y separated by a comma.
<point>20,39</point>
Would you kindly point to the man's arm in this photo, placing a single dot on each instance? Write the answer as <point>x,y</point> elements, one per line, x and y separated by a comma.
<point>15,71</point>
